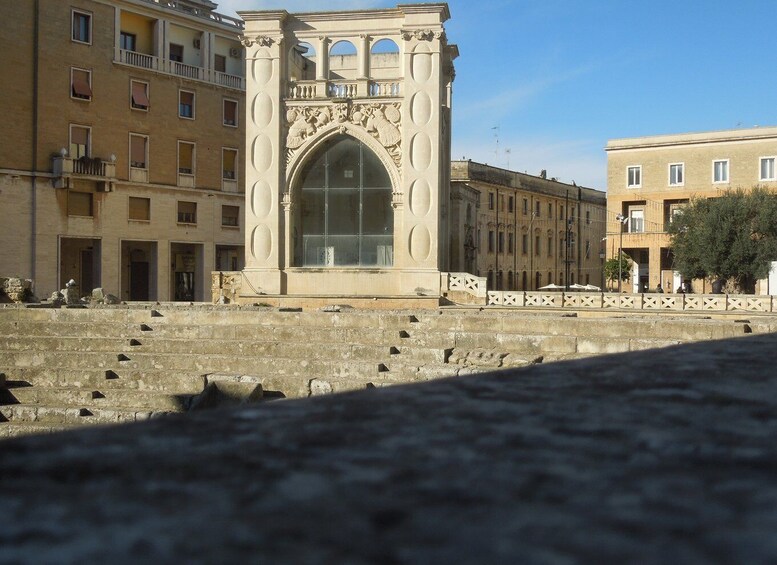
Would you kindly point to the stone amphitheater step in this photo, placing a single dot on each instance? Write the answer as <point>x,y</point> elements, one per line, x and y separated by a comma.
<point>58,414</point>
<point>15,429</point>
<point>99,397</point>
<point>188,363</point>
<point>150,380</point>
<point>287,349</point>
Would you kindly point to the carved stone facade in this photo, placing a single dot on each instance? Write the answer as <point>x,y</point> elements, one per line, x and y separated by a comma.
<point>305,94</point>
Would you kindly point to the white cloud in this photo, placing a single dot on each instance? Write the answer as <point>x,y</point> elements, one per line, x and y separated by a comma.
<point>230,7</point>
<point>508,100</point>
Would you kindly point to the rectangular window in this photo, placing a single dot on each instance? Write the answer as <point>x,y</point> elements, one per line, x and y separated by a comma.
<point>139,209</point>
<point>127,41</point>
<point>230,215</point>
<point>187,212</point>
<point>634,176</point>
<point>220,63</point>
<point>537,245</point>
<point>79,203</point>
<point>186,158</point>
<point>636,221</point>
<point>176,52</point>
<point>720,171</point>
<point>230,112</point>
<point>560,212</point>
<point>510,243</point>
<point>767,168</point>
<point>587,249</point>
<point>524,244</point>
<point>138,151</point>
<point>510,204</point>
<point>501,242</point>
<point>82,27</point>
<point>550,246</point>
<point>79,141</point>
<point>550,210</point>
<point>186,104</point>
<point>537,209</point>
<point>671,209</point>
<point>490,241</point>
<point>490,200</point>
<point>525,206</point>
<point>587,216</point>
<point>229,164</point>
<point>676,174</point>
<point>80,84</point>
<point>139,95</point>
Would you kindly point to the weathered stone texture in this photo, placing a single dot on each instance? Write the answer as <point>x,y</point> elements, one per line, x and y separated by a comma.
<point>643,457</point>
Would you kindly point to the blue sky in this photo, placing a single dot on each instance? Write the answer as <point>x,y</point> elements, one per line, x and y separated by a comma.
<point>561,77</point>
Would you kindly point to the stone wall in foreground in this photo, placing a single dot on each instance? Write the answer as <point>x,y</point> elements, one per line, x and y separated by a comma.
<point>626,458</point>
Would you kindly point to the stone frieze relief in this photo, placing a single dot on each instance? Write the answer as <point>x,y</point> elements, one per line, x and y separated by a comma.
<point>381,120</point>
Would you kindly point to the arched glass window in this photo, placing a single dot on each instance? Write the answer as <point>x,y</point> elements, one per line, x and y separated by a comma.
<point>345,217</point>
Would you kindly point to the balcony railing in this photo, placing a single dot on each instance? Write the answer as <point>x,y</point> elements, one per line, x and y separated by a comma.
<point>312,89</point>
<point>161,65</point>
<point>86,168</point>
<point>199,12</point>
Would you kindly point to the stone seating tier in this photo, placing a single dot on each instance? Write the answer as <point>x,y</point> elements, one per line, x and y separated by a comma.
<point>67,367</point>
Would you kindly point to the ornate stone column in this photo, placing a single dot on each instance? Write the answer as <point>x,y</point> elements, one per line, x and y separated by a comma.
<point>264,151</point>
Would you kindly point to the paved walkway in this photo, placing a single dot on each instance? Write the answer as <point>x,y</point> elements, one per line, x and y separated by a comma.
<point>650,457</point>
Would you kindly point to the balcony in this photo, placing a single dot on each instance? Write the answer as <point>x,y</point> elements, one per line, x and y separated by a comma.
<point>166,66</point>
<point>67,169</point>
<point>363,88</point>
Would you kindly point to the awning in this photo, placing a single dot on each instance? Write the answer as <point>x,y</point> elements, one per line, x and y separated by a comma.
<point>81,86</point>
<point>139,96</point>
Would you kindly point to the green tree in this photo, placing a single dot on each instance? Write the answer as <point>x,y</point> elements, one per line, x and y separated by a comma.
<point>730,238</point>
<point>615,268</point>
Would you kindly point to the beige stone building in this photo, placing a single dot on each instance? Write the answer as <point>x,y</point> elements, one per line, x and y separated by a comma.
<point>650,178</point>
<point>524,232</point>
<point>120,163</point>
<point>347,164</point>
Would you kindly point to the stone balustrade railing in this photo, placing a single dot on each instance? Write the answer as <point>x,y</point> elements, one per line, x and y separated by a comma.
<point>644,302</point>
<point>361,88</point>
<point>465,282</point>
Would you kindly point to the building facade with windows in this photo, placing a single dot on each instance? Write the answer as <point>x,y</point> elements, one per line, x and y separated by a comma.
<point>650,178</point>
<point>524,232</point>
<point>121,160</point>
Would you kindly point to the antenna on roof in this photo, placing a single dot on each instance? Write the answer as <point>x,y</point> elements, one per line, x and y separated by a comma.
<point>495,129</point>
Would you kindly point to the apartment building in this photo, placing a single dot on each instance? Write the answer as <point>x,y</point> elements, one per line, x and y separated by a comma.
<point>650,178</point>
<point>120,162</point>
<point>524,232</point>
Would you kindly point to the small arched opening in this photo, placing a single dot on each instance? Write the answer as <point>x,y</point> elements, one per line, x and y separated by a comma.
<point>343,61</point>
<point>302,62</point>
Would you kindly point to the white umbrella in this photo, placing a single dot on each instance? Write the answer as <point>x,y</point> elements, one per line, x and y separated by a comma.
<point>577,287</point>
<point>551,286</point>
<point>592,288</point>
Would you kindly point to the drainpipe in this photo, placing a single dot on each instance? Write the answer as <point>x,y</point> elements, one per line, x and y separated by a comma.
<point>34,167</point>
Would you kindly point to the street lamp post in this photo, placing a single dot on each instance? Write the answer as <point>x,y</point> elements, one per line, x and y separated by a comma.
<point>622,220</point>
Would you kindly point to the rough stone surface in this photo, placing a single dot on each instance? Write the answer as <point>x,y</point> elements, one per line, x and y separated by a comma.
<point>647,457</point>
<point>18,290</point>
<point>57,299</point>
